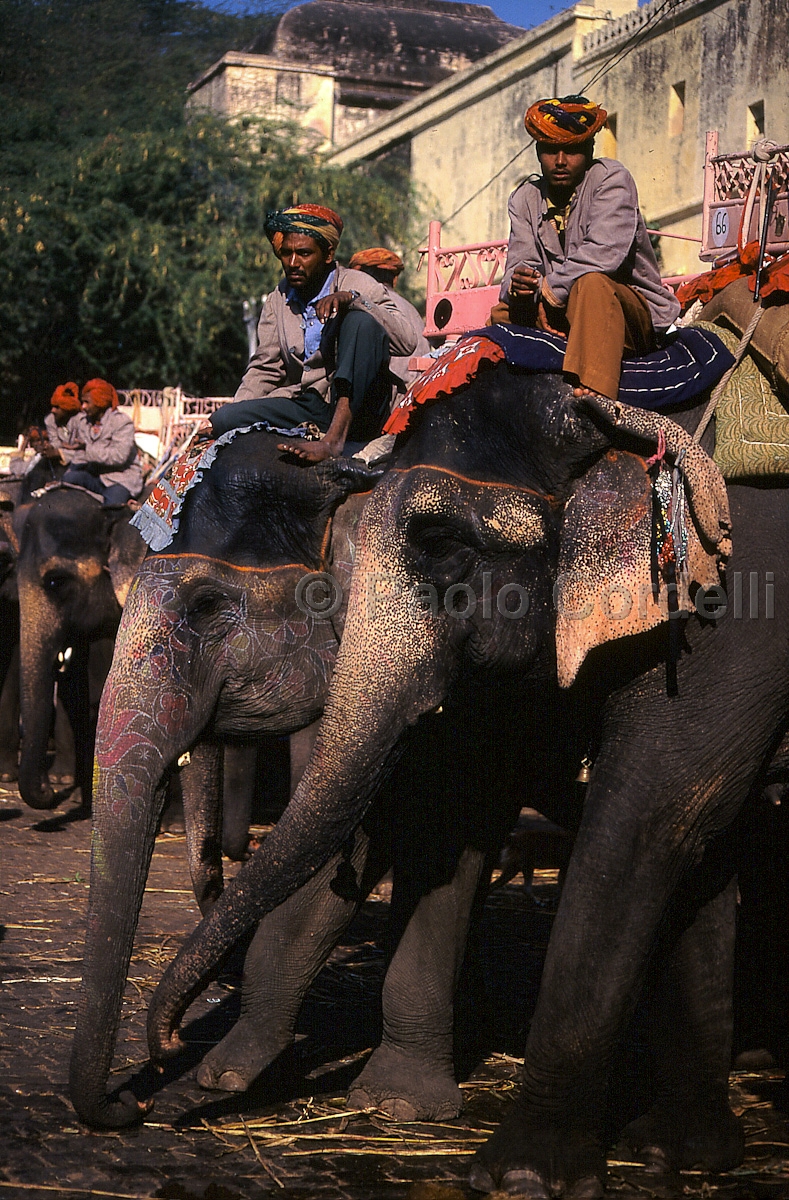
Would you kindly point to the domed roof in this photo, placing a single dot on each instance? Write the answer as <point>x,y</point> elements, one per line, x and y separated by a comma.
<point>417,40</point>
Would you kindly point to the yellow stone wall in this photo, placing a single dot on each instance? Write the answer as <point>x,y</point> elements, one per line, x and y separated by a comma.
<point>710,65</point>
<point>724,60</point>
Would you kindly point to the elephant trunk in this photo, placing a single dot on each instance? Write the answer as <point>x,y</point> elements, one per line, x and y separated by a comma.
<point>40,636</point>
<point>142,728</point>
<point>386,676</point>
<point>119,868</point>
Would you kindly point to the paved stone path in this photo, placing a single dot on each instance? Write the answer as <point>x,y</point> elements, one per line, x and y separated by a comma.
<point>292,1135</point>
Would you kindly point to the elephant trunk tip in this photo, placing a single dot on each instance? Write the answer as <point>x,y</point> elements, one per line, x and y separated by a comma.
<point>164,1039</point>
<point>117,1112</point>
<point>38,795</point>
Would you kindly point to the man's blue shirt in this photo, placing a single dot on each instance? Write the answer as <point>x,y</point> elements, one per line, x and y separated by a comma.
<point>313,328</point>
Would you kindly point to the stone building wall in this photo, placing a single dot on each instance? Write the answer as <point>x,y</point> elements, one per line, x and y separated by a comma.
<point>711,64</point>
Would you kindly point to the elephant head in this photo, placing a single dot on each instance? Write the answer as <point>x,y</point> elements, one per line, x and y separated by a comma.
<point>496,492</point>
<point>76,561</point>
<point>213,641</point>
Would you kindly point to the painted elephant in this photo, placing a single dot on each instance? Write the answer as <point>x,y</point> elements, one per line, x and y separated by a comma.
<point>510,489</point>
<point>264,665</point>
<point>13,492</point>
<point>75,562</point>
<point>212,645</point>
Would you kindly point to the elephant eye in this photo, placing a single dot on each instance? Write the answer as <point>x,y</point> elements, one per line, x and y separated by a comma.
<point>442,554</point>
<point>54,581</point>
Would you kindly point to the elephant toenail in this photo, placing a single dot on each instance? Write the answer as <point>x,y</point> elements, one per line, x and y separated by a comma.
<point>480,1179</point>
<point>586,1189</point>
<point>526,1183</point>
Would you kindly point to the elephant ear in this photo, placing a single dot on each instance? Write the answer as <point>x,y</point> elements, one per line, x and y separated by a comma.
<point>127,550</point>
<point>605,585</point>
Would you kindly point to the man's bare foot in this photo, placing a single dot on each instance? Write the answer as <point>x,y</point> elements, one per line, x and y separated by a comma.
<point>579,390</point>
<point>313,452</point>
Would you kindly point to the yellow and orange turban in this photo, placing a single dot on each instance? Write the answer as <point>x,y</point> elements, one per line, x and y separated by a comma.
<point>66,397</point>
<point>567,121</point>
<point>377,256</point>
<point>313,220</point>
<point>100,393</point>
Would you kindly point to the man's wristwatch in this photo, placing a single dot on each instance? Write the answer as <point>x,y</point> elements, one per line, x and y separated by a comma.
<point>354,294</point>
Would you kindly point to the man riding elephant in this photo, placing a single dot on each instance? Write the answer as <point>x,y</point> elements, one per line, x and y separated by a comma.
<point>385,266</point>
<point>104,456</point>
<point>324,342</point>
<point>59,441</point>
<point>579,261</point>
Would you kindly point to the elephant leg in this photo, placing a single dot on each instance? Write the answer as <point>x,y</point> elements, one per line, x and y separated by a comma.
<point>301,744</point>
<point>652,811</point>
<point>690,1123</point>
<point>200,782</point>
<point>238,792</point>
<point>9,721</point>
<point>411,1075</point>
<point>289,948</point>
<point>62,770</point>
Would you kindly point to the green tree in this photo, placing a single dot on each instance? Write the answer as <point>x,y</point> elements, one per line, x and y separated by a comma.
<point>133,261</point>
<point>127,253</point>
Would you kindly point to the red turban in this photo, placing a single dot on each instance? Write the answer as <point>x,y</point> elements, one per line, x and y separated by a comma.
<point>377,256</point>
<point>100,393</point>
<point>313,220</point>
<point>568,121</point>
<point>66,397</point>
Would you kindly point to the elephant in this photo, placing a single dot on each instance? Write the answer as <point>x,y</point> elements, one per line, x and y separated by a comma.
<point>75,562</point>
<point>228,583</point>
<point>13,492</point>
<point>515,488</point>
<point>211,645</point>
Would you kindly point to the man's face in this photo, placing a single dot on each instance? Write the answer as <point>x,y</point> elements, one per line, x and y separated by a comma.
<point>61,416</point>
<point>92,411</point>
<point>564,167</point>
<point>304,262</point>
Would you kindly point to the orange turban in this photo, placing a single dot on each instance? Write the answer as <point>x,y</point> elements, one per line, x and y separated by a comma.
<point>66,397</point>
<point>568,121</point>
<point>100,393</point>
<point>313,220</point>
<point>377,256</point>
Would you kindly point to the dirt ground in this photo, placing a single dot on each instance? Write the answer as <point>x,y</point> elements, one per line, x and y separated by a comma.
<point>292,1135</point>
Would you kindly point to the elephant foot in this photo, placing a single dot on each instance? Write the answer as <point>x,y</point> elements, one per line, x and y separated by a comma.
<point>540,1161</point>
<point>406,1088</point>
<point>59,781</point>
<point>240,1057</point>
<point>682,1137</point>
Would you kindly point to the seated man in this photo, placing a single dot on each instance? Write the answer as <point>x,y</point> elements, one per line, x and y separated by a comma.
<point>104,455</point>
<point>579,261</point>
<point>60,437</point>
<point>385,266</point>
<point>324,341</point>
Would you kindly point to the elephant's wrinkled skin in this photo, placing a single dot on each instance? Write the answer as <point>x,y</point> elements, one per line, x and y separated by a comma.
<point>76,560</point>
<point>212,643</point>
<point>481,486</point>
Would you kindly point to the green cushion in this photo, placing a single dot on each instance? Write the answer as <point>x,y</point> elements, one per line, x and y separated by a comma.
<point>751,423</point>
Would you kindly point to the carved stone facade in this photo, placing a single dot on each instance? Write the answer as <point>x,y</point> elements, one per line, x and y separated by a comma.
<point>335,66</point>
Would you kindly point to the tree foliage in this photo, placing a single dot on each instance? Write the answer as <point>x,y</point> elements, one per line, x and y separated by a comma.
<point>129,235</point>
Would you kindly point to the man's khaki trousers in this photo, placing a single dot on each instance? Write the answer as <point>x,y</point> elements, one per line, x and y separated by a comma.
<point>606,319</point>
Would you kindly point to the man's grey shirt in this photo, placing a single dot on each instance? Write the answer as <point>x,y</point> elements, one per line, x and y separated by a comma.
<point>605,233</point>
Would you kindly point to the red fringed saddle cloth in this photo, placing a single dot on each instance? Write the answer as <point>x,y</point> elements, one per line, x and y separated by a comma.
<point>451,371</point>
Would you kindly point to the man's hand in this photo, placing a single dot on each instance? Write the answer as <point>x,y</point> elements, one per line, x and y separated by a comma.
<point>334,305</point>
<point>550,319</point>
<point>525,281</point>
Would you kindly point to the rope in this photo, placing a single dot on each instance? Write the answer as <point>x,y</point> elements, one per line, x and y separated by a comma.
<point>712,403</point>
